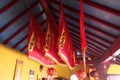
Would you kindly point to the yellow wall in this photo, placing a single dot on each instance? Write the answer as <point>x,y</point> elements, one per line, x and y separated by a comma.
<point>114,69</point>
<point>8,58</point>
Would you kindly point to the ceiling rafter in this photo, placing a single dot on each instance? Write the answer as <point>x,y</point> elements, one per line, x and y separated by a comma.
<point>99,31</point>
<point>88,25</point>
<point>15,34</point>
<point>17,18</point>
<point>87,37</point>
<point>86,32</point>
<point>96,41</point>
<point>95,48</point>
<point>18,43</point>
<point>77,33</point>
<point>111,51</point>
<point>8,6</point>
<point>102,7</point>
<point>23,48</point>
<point>21,29</point>
<point>76,43</point>
<point>90,16</point>
<point>89,33</point>
<point>96,44</point>
<point>87,53</point>
<point>107,24</point>
<point>91,53</point>
<point>95,51</point>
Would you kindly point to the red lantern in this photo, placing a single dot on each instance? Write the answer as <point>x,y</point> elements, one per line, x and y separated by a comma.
<point>51,71</point>
<point>81,74</point>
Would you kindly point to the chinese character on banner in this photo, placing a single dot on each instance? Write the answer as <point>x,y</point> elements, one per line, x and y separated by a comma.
<point>66,51</point>
<point>18,70</point>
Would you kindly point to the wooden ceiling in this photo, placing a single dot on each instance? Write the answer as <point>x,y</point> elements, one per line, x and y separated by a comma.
<point>102,25</point>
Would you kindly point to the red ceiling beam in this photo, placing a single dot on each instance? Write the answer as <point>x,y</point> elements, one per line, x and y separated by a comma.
<point>110,52</point>
<point>102,7</point>
<point>8,6</point>
<point>23,39</point>
<point>17,18</point>
<point>107,24</point>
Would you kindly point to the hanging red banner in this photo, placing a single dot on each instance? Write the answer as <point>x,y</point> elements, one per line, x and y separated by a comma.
<point>51,47</point>
<point>82,35</point>
<point>36,42</point>
<point>65,47</point>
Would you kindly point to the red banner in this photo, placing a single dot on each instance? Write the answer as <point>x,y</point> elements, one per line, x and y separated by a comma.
<point>36,42</point>
<point>65,47</point>
<point>51,47</point>
<point>82,34</point>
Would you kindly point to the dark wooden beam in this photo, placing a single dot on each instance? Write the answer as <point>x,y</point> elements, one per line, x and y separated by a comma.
<point>8,6</point>
<point>15,34</point>
<point>20,30</point>
<point>87,33</point>
<point>102,7</point>
<point>110,52</point>
<point>23,39</point>
<point>107,24</point>
<point>17,18</point>
<point>23,48</point>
